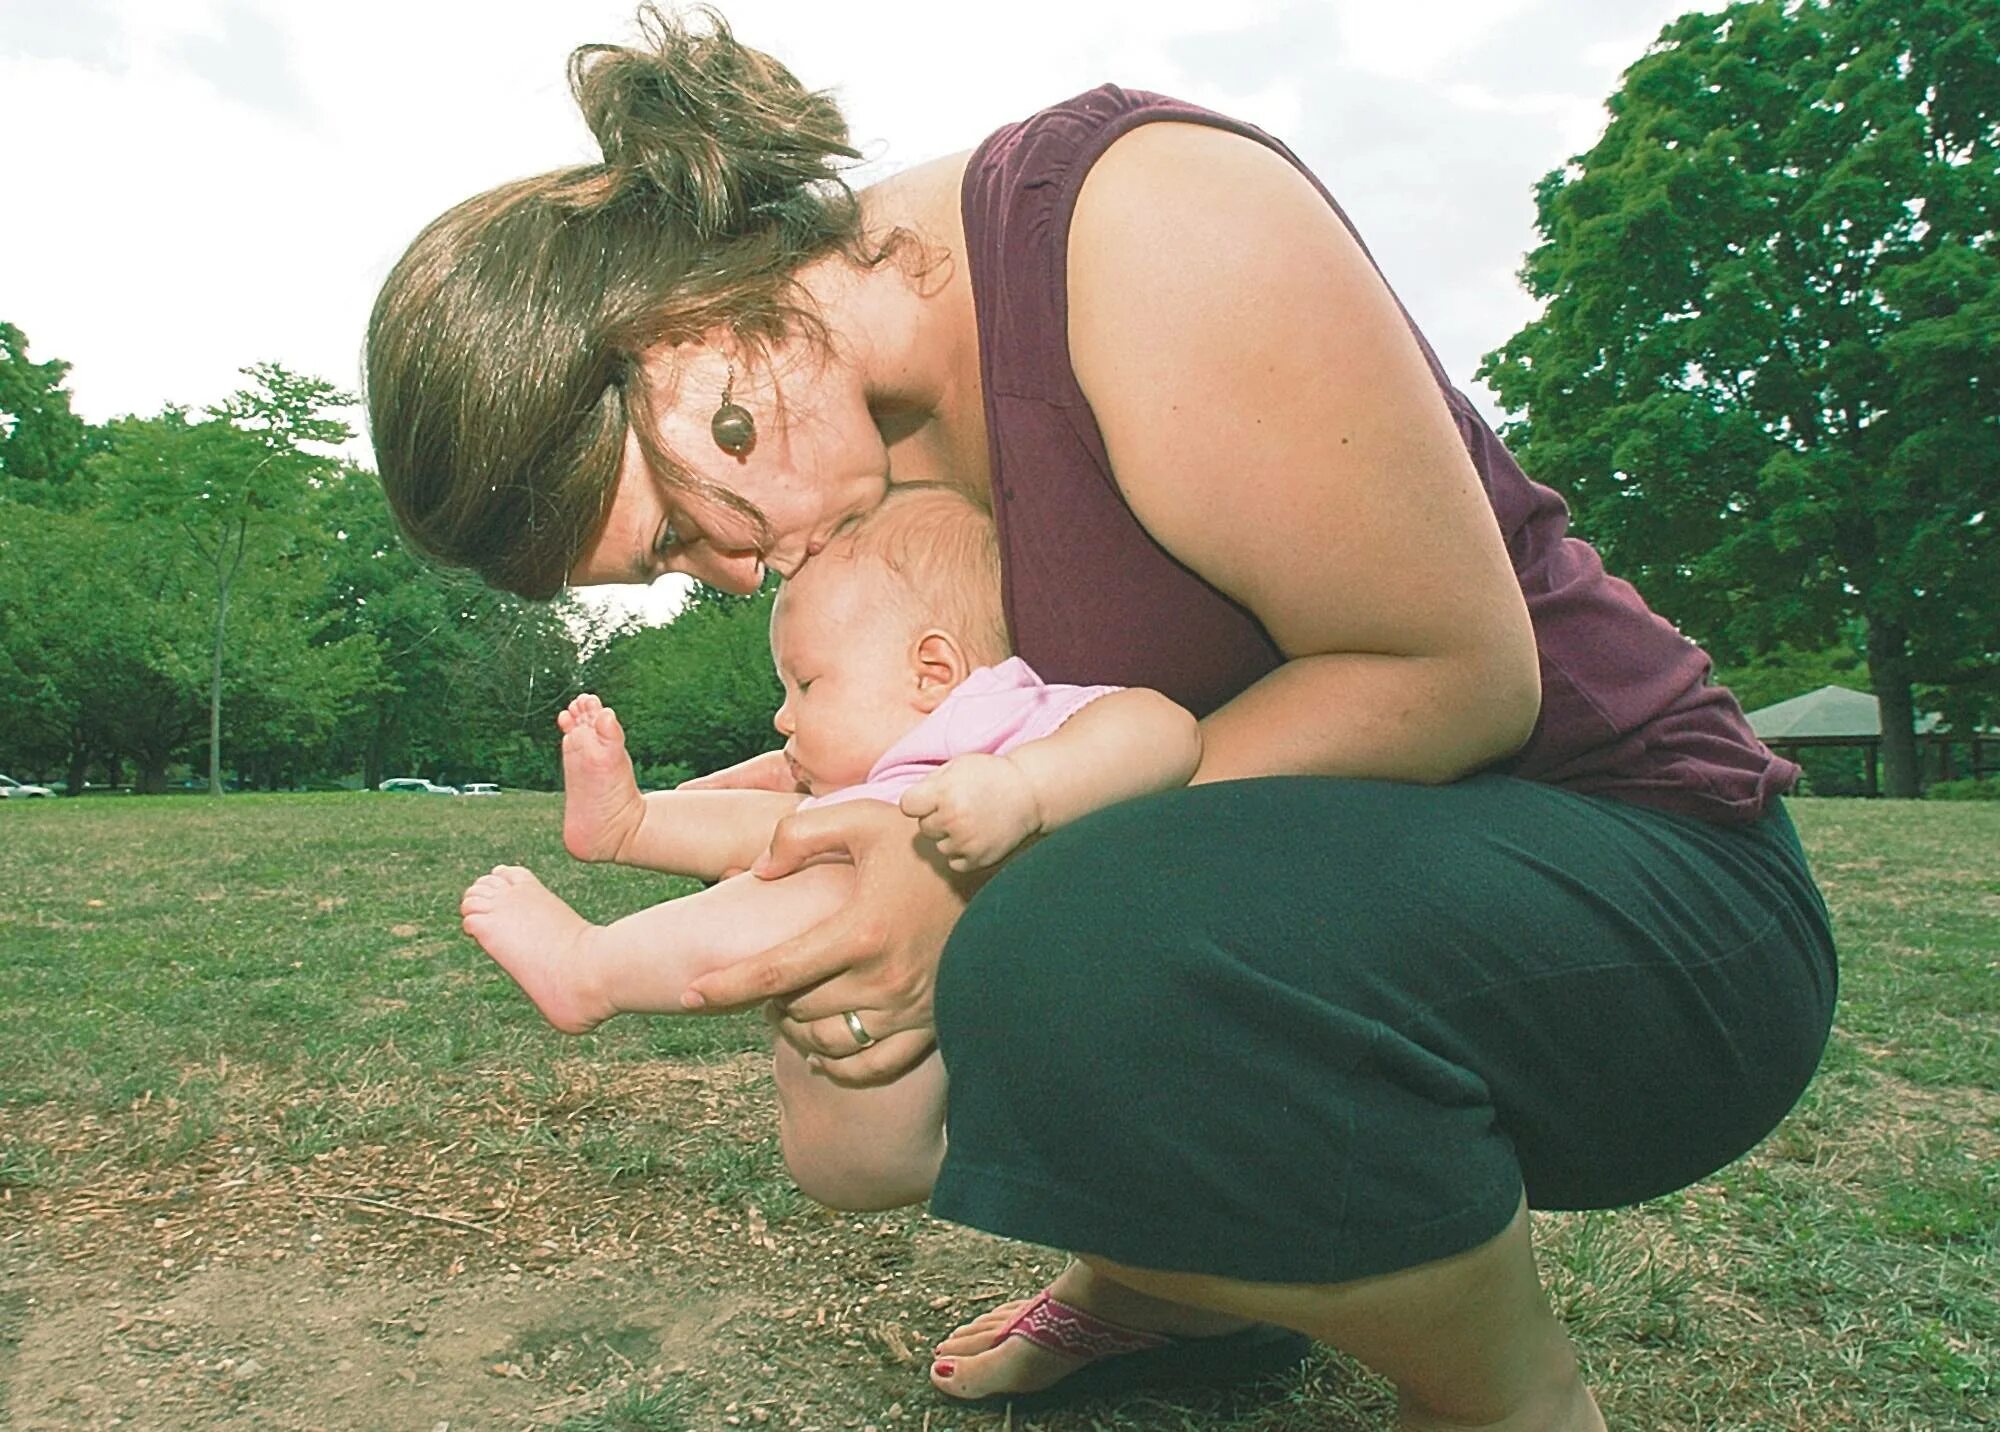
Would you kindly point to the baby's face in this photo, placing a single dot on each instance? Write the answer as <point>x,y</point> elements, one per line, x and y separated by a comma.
<point>845,652</point>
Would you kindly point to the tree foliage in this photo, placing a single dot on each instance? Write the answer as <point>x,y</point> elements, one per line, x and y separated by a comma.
<point>232,489</point>
<point>41,441</point>
<point>1767,373</point>
<point>181,580</point>
<point>1786,671</point>
<point>699,693</point>
<point>467,681</point>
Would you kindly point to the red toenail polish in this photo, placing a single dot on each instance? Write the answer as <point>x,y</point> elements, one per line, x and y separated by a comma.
<point>943,1368</point>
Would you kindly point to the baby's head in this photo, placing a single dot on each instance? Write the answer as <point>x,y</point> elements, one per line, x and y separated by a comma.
<point>881,626</point>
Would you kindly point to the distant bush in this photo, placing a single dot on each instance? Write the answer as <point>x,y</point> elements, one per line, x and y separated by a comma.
<point>1966,789</point>
<point>1833,771</point>
<point>664,775</point>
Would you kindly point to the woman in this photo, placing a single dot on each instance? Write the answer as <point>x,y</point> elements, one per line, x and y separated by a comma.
<point>1516,917</point>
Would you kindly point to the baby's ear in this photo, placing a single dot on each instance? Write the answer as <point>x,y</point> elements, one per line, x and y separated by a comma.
<point>939,664</point>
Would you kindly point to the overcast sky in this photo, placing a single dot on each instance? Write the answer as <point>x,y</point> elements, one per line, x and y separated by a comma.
<point>194,185</point>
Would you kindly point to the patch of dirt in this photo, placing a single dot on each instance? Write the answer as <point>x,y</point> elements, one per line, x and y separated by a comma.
<point>309,1346</point>
<point>505,1280</point>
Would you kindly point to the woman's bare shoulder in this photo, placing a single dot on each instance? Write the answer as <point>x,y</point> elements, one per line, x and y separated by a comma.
<point>1183,231</point>
<point>1269,414</point>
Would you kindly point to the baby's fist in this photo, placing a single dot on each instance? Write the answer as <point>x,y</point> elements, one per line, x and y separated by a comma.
<point>977,808</point>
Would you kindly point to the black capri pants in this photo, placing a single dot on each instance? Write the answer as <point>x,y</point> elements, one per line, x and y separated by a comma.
<point>1302,1029</point>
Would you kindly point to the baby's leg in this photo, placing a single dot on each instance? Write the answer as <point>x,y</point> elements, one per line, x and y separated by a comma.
<point>877,1147</point>
<point>857,1149</point>
<point>602,805</point>
<point>579,974</point>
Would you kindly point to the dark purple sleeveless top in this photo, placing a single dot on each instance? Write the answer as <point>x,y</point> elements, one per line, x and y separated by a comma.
<point>1627,708</point>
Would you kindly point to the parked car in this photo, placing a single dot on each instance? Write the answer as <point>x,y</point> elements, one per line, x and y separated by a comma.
<point>415,786</point>
<point>12,789</point>
<point>479,788</point>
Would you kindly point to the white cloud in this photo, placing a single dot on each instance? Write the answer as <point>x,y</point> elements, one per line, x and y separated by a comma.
<point>1419,42</point>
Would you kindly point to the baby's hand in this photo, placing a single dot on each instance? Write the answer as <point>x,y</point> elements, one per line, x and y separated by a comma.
<point>978,808</point>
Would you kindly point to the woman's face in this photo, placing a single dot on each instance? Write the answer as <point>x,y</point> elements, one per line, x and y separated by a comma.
<point>817,463</point>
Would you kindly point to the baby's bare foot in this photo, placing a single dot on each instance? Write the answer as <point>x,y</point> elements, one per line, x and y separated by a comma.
<point>601,801</point>
<point>538,940</point>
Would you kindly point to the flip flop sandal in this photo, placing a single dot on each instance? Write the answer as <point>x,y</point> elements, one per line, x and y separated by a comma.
<point>1121,1359</point>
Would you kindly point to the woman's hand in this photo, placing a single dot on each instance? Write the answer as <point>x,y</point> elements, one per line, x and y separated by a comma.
<point>876,958</point>
<point>768,772</point>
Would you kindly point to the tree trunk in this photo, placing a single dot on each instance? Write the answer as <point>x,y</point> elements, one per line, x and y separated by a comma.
<point>79,769</point>
<point>223,581</point>
<point>375,759</point>
<point>1889,665</point>
<point>152,775</point>
<point>215,695</point>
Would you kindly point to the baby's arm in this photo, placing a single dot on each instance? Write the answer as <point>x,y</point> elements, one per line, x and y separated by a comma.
<point>1128,743</point>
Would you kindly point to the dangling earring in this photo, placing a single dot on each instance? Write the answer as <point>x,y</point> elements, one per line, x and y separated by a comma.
<point>732,427</point>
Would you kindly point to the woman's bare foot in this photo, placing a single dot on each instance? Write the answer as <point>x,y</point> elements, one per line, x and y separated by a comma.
<point>601,801</point>
<point>974,1362</point>
<point>538,940</point>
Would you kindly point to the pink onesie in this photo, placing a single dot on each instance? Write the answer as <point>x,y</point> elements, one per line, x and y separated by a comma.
<point>992,711</point>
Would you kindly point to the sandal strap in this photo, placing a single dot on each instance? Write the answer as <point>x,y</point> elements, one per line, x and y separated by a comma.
<point>1053,1324</point>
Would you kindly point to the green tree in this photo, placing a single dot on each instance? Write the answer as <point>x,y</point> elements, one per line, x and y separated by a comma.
<point>1767,373</point>
<point>55,634</point>
<point>41,441</point>
<point>235,483</point>
<point>100,643</point>
<point>1785,671</point>
<point>698,693</point>
<point>465,681</point>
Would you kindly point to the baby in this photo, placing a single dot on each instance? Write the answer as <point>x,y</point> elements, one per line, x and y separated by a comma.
<point>898,687</point>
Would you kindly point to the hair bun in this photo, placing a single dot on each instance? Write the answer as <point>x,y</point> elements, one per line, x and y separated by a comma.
<point>722,134</point>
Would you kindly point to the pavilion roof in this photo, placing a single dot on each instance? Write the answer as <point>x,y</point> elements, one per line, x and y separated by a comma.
<point>1830,713</point>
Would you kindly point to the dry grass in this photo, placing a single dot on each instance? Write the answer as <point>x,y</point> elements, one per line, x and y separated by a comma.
<point>277,1149</point>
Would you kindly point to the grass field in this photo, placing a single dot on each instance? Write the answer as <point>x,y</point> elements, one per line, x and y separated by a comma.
<point>279,1149</point>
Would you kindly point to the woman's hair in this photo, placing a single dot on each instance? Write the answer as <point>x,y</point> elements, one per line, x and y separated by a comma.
<point>504,364</point>
<point>945,555</point>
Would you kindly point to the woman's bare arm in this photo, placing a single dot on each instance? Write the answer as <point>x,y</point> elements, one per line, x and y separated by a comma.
<point>1272,422</point>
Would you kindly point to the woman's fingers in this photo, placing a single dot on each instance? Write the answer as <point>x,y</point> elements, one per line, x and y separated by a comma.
<point>832,1050</point>
<point>835,1036</point>
<point>879,951</point>
<point>818,954</point>
<point>885,1059</point>
<point>860,832</point>
<point>768,772</point>
<point>842,829</point>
